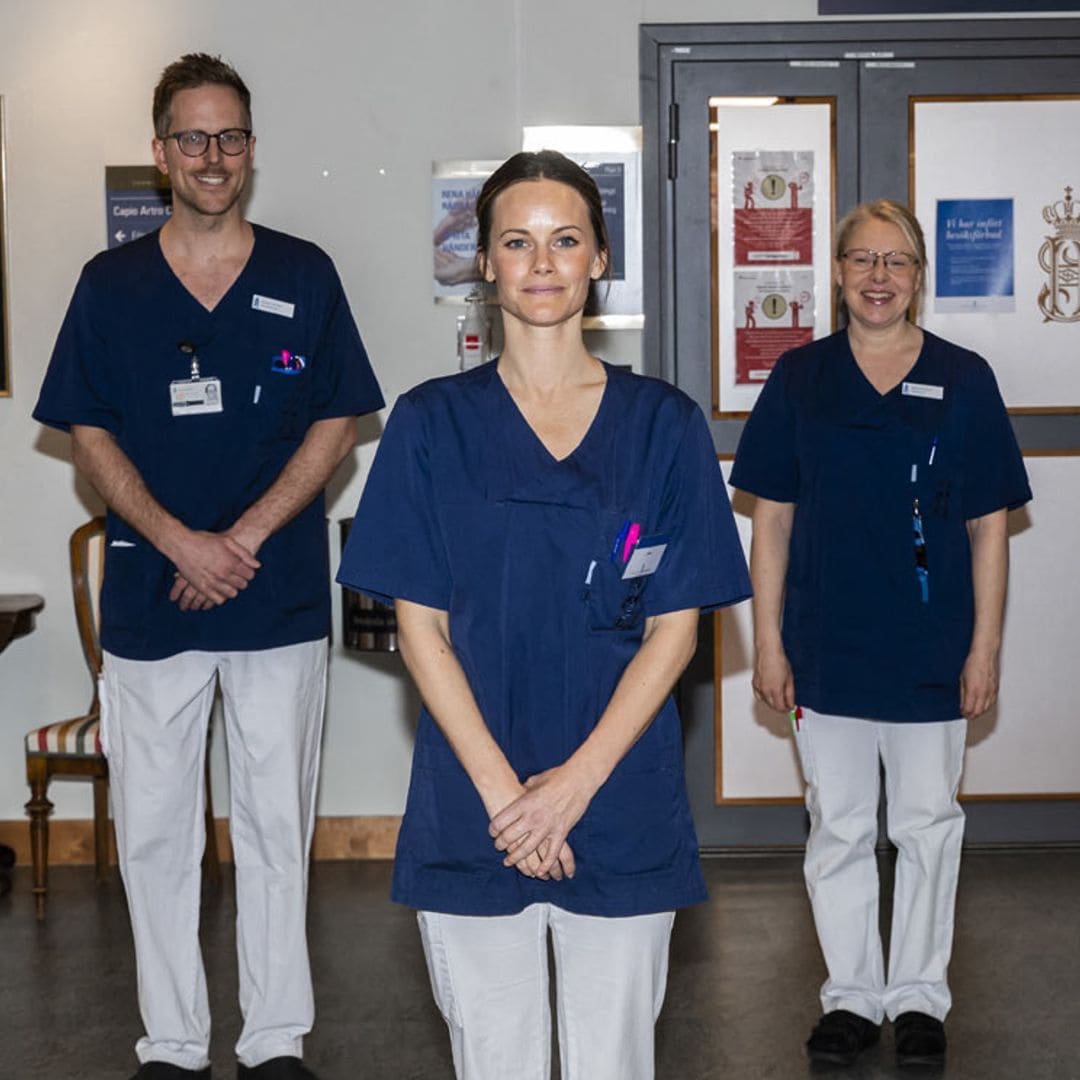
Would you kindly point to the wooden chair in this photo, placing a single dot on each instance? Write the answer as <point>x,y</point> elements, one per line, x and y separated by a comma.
<point>72,748</point>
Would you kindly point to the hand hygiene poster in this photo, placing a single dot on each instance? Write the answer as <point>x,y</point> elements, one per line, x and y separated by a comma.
<point>453,227</point>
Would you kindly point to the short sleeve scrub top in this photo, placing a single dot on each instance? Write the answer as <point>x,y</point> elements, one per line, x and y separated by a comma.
<point>466,511</point>
<point>877,625</point>
<point>285,352</point>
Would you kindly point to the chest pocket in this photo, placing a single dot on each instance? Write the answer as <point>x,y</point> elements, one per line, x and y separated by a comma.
<point>612,604</point>
<point>280,401</point>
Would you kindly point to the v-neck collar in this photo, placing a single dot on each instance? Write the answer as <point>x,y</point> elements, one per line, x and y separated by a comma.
<point>520,420</point>
<point>870,391</point>
<point>233,290</point>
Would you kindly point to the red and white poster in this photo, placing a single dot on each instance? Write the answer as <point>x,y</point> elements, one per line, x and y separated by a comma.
<point>773,198</point>
<point>774,312</point>
<point>774,205</point>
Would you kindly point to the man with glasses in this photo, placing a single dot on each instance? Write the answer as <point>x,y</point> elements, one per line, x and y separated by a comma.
<point>210,375</point>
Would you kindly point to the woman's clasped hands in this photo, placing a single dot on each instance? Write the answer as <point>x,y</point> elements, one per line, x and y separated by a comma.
<point>532,829</point>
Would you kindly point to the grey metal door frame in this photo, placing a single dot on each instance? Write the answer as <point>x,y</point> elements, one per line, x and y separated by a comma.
<point>882,59</point>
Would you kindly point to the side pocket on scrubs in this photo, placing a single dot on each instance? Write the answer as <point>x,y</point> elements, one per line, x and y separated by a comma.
<point>636,821</point>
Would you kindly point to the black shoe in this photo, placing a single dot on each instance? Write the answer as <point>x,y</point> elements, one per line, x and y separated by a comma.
<point>165,1070</point>
<point>920,1039</point>
<point>279,1068</point>
<point>840,1036</point>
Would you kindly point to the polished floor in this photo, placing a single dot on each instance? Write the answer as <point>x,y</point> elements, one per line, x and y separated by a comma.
<point>741,995</point>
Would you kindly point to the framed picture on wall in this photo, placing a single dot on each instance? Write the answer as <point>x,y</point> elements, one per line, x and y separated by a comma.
<point>5,340</point>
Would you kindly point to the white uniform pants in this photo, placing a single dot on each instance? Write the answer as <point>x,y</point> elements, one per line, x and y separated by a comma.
<point>490,978</point>
<point>155,718</point>
<point>841,758</point>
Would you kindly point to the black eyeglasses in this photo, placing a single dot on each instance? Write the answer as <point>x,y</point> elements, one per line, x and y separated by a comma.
<point>231,142</point>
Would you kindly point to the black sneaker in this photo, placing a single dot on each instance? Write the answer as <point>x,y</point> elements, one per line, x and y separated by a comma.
<point>920,1039</point>
<point>279,1068</point>
<point>840,1036</point>
<point>165,1070</point>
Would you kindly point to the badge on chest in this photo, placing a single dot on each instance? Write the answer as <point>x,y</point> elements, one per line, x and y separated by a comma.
<point>638,555</point>
<point>197,394</point>
<point>645,559</point>
<point>189,397</point>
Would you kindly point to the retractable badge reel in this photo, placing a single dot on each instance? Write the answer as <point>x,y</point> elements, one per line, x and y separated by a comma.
<point>197,394</point>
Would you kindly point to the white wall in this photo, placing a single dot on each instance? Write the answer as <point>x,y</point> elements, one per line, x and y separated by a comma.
<point>368,93</point>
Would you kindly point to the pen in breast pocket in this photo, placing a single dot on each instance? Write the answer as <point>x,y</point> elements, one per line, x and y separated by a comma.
<point>617,547</point>
<point>632,537</point>
<point>933,450</point>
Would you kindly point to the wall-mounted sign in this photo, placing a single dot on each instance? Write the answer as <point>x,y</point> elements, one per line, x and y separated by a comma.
<point>1059,259</point>
<point>455,186</point>
<point>773,199</point>
<point>138,200</point>
<point>974,255</point>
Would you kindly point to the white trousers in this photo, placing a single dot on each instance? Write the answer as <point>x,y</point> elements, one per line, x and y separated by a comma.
<point>155,717</point>
<point>841,761</point>
<point>490,978</point>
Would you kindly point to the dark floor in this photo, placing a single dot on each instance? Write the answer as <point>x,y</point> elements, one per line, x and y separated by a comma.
<point>742,994</point>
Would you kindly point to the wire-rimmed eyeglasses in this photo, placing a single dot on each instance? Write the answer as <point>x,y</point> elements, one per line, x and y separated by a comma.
<point>232,141</point>
<point>896,262</point>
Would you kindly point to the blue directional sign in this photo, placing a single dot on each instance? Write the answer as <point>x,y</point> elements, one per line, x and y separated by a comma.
<point>138,200</point>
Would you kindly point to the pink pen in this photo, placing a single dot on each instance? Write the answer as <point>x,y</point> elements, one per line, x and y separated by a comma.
<point>632,537</point>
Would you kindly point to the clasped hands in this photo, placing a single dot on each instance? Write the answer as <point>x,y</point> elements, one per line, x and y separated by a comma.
<point>212,568</point>
<point>532,830</point>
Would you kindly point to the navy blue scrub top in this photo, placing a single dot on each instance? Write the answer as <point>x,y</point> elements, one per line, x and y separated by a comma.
<point>861,639</point>
<point>466,511</point>
<point>282,366</point>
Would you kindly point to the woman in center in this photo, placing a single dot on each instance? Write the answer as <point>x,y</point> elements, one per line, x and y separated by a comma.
<point>548,528</point>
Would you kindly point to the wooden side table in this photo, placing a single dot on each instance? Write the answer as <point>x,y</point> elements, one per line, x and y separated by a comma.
<point>17,611</point>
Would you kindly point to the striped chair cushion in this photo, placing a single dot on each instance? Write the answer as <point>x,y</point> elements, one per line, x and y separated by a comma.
<point>80,737</point>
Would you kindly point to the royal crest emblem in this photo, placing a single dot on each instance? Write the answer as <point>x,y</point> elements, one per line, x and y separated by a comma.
<point>1059,257</point>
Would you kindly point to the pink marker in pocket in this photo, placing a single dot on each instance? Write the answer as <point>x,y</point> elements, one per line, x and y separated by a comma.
<point>632,537</point>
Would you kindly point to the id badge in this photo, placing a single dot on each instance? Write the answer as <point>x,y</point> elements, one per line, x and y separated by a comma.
<point>188,397</point>
<point>645,558</point>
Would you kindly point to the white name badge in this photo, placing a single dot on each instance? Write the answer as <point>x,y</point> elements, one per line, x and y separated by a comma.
<point>924,390</point>
<point>189,397</point>
<point>644,561</point>
<point>272,306</point>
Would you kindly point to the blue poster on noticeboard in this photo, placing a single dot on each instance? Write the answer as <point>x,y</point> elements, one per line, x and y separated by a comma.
<point>974,255</point>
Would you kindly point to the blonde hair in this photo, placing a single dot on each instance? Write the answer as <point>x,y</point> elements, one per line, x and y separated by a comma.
<point>893,213</point>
